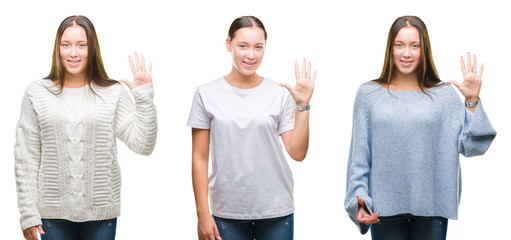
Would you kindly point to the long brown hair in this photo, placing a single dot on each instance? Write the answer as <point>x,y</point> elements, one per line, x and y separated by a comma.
<point>426,71</point>
<point>95,71</point>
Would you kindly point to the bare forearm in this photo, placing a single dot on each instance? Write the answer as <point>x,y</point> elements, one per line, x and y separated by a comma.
<point>200,185</point>
<point>300,136</point>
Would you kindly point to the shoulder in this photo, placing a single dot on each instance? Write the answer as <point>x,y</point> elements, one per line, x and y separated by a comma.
<point>368,88</point>
<point>275,88</point>
<point>209,86</point>
<point>444,90</point>
<point>41,85</point>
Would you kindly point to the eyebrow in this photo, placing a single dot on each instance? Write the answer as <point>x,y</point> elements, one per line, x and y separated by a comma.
<point>403,41</point>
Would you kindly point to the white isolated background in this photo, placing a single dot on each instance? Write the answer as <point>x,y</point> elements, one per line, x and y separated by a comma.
<point>185,41</point>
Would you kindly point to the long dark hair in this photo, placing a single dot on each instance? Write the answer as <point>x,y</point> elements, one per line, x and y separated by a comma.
<point>95,71</point>
<point>426,71</point>
<point>245,21</point>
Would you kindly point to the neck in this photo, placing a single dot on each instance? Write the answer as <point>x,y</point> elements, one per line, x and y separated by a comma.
<point>74,80</point>
<point>236,79</point>
<point>405,82</point>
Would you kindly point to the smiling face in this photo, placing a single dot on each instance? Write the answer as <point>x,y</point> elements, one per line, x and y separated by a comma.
<point>407,51</point>
<point>247,49</point>
<point>74,50</point>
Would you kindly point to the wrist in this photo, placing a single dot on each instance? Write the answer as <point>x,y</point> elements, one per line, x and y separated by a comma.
<point>471,102</point>
<point>472,99</point>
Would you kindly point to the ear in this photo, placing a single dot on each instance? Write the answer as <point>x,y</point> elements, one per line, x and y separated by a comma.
<point>228,44</point>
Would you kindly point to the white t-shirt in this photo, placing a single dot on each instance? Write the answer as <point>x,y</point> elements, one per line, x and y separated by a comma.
<point>251,178</point>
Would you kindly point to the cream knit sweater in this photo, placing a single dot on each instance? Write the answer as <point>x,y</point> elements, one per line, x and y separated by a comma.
<point>66,157</point>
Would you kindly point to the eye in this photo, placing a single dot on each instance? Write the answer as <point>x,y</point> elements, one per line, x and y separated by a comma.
<point>398,45</point>
<point>259,47</point>
<point>242,46</point>
<point>415,45</point>
<point>82,45</point>
<point>65,45</point>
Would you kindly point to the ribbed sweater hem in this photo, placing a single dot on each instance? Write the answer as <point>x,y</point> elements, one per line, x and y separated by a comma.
<point>80,214</point>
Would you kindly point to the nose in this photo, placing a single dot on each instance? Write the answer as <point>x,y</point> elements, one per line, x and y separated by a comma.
<point>250,53</point>
<point>407,52</point>
<point>74,51</point>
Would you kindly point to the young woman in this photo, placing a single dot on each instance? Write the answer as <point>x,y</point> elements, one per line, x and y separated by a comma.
<point>67,174</point>
<point>241,116</point>
<point>409,127</point>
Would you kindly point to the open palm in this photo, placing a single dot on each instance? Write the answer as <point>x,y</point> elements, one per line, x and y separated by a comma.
<point>141,75</point>
<point>471,84</point>
<point>302,92</point>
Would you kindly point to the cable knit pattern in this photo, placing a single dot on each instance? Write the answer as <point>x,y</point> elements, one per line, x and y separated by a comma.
<point>65,155</point>
<point>404,155</point>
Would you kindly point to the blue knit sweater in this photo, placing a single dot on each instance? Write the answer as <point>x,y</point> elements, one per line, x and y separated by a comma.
<point>405,146</point>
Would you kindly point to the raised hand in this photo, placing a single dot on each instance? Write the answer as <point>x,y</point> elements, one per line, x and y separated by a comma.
<point>471,79</point>
<point>141,75</point>
<point>363,215</point>
<point>302,92</point>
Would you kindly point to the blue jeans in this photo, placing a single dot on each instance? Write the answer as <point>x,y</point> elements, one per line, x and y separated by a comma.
<point>60,229</point>
<point>409,227</point>
<point>280,228</point>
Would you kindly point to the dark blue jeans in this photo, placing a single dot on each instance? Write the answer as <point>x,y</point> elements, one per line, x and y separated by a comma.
<point>409,227</point>
<point>280,228</point>
<point>59,229</point>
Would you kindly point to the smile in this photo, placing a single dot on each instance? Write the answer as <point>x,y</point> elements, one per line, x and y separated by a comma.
<point>74,62</point>
<point>406,63</point>
<point>249,64</point>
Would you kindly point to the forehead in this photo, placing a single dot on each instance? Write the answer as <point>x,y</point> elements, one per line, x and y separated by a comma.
<point>249,34</point>
<point>74,32</point>
<point>408,33</point>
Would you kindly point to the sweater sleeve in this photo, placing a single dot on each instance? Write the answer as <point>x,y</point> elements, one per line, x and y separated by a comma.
<point>27,155</point>
<point>136,124</point>
<point>477,133</point>
<point>359,162</point>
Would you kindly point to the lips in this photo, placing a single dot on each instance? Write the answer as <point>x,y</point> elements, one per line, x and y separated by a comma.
<point>406,63</point>
<point>249,64</point>
<point>74,62</point>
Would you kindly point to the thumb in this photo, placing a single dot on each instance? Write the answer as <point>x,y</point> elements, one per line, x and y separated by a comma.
<point>360,200</point>
<point>128,83</point>
<point>287,86</point>
<point>40,229</point>
<point>455,83</point>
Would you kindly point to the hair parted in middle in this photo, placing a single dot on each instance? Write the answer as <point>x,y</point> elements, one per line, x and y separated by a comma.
<point>95,71</point>
<point>426,71</point>
<point>245,21</point>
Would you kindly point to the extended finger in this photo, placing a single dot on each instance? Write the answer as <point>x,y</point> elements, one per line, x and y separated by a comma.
<point>309,70</point>
<point>456,84</point>
<point>463,66</point>
<point>287,86</point>
<point>143,62</point>
<point>128,83</point>
<point>480,73</point>
<point>137,61</point>
<point>475,64</point>
<point>304,73</point>
<point>297,70</point>
<point>469,63</point>
<point>132,65</point>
